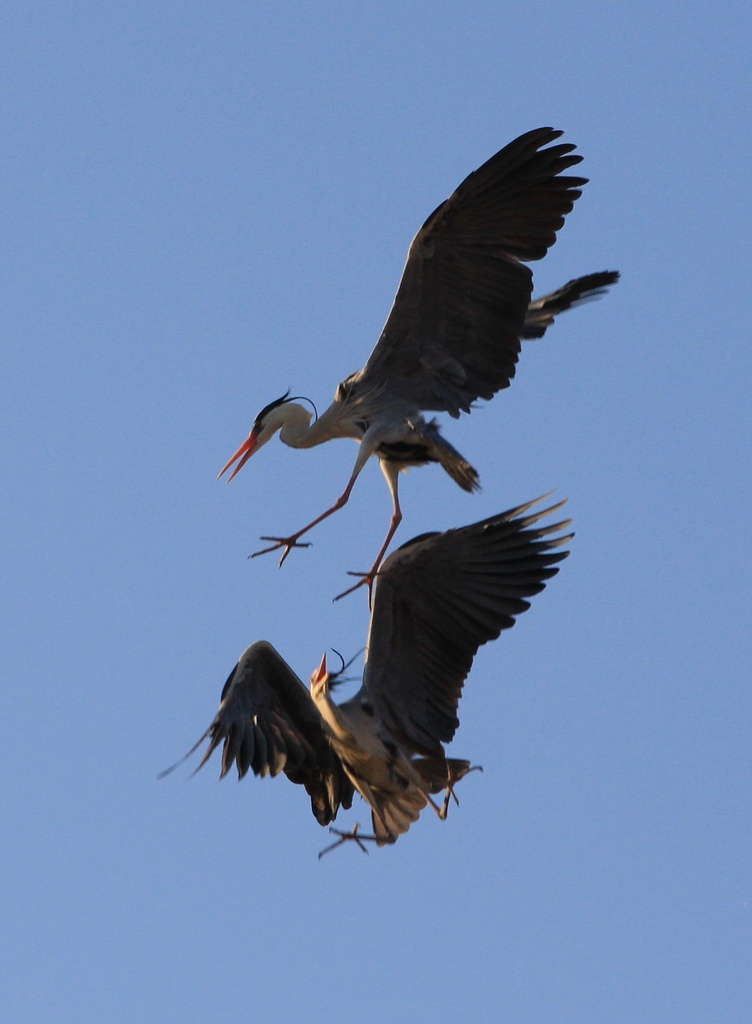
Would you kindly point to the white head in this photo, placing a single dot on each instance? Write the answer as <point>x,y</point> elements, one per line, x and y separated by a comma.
<point>282,413</point>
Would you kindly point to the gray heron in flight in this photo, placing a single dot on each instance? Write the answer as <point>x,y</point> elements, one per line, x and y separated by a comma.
<point>454,331</point>
<point>437,599</point>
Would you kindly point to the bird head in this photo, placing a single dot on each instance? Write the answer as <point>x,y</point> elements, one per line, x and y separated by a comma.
<point>319,684</point>
<point>271,418</point>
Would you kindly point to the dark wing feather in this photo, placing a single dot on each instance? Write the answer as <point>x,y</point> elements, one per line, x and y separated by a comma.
<point>269,724</point>
<point>437,599</point>
<point>453,334</point>
<point>542,312</point>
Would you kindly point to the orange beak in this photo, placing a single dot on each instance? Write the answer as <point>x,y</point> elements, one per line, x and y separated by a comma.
<point>243,454</point>
<point>320,674</point>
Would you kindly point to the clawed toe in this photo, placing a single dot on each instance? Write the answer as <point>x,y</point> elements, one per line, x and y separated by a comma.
<point>288,543</point>
<point>365,579</point>
<point>353,835</point>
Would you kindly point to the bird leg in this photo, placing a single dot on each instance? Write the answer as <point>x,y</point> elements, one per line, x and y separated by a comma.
<point>450,794</point>
<point>356,837</point>
<point>288,543</point>
<point>441,811</point>
<point>437,774</point>
<point>391,472</point>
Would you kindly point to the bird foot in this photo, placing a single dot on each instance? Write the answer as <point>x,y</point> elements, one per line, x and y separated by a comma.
<point>353,835</point>
<point>288,543</point>
<point>365,579</point>
<point>450,794</point>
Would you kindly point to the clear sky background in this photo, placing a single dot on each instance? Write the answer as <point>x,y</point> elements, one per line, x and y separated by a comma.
<point>204,204</point>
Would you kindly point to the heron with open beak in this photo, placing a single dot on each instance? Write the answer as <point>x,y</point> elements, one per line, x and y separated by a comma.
<point>437,599</point>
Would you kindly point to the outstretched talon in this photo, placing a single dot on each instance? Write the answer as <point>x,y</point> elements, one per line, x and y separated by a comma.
<point>365,578</point>
<point>450,794</point>
<point>288,543</point>
<point>353,835</point>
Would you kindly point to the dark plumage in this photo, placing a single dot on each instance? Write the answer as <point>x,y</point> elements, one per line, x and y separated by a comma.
<point>455,329</point>
<point>437,599</point>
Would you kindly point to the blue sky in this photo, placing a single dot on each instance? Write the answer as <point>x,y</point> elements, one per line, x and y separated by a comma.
<point>204,204</point>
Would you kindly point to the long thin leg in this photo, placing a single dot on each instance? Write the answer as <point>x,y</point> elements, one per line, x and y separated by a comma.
<point>288,543</point>
<point>391,472</point>
<point>450,794</point>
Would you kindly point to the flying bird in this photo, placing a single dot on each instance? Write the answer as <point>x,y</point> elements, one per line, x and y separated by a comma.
<point>454,331</point>
<point>437,599</point>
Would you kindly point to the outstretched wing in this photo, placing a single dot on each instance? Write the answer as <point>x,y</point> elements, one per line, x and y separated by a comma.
<point>437,599</point>
<point>542,312</point>
<point>453,334</point>
<point>269,724</point>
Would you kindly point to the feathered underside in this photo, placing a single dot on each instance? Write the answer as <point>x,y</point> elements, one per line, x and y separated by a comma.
<point>398,812</point>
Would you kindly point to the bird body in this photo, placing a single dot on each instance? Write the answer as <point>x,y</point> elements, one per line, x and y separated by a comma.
<point>377,768</point>
<point>405,437</point>
<point>455,329</point>
<point>437,599</point>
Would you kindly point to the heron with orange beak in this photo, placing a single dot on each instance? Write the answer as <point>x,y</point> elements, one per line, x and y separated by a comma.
<point>454,333</point>
<point>437,599</point>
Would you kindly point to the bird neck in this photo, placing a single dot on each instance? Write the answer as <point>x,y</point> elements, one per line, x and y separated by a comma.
<point>298,431</point>
<point>334,722</point>
<point>294,424</point>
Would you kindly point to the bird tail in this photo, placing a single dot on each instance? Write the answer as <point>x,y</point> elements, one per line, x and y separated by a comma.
<point>440,772</point>
<point>456,465</point>
<point>542,312</point>
<point>396,814</point>
<point>392,817</point>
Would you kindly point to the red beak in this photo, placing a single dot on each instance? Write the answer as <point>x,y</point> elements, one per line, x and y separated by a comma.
<point>320,674</point>
<point>244,452</point>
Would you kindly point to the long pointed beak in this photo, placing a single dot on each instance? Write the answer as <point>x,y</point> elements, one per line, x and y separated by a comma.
<point>244,452</point>
<point>320,674</point>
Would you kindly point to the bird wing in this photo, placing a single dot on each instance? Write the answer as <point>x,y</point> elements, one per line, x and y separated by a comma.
<point>453,333</point>
<point>437,599</point>
<point>542,312</point>
<point>270,724</point>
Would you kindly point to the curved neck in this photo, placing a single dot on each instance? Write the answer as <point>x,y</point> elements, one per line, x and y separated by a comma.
<point>296,430</point>
<point>294,424</point>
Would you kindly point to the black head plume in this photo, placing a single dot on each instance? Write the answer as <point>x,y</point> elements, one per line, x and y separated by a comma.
<point>281,401</point>
<point>337,678</point>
